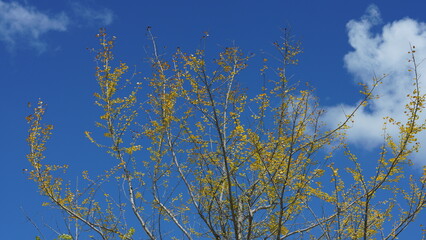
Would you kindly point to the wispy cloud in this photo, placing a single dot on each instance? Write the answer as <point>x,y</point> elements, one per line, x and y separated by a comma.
<point>384,52</point>
<point>25,25</point>
<point>22,24</point>
<point>100,16</point>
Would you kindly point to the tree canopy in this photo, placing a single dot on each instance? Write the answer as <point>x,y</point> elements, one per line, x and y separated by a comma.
<point>200,158</point>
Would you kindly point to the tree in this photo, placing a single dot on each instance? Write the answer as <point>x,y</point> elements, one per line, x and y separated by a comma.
<point>200,158</point>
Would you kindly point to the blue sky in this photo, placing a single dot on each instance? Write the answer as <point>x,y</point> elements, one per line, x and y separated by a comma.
<point>43,54</point>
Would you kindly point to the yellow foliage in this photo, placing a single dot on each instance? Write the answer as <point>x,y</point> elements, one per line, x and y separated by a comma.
<point>215,162</point>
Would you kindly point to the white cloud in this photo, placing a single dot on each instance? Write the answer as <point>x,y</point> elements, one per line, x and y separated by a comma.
<point>26,25</point>
<point>21,24</point>
<point>102,16</point>
<point>381,53</point>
